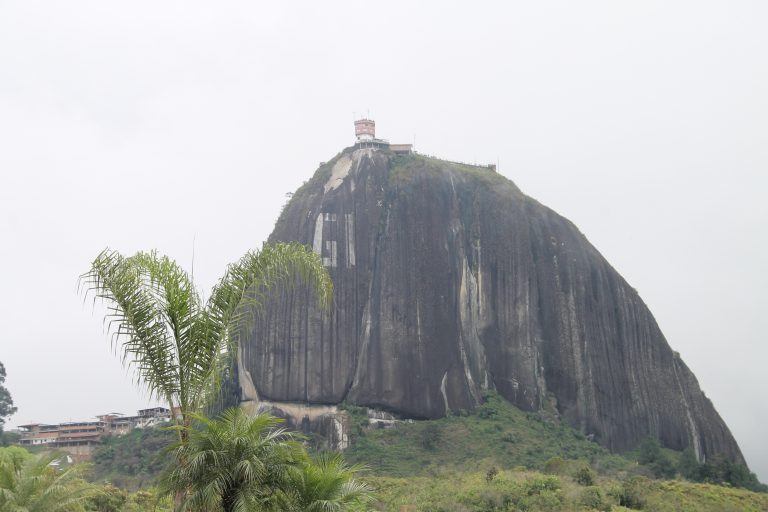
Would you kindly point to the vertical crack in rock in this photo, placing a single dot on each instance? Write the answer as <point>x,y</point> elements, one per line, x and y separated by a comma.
<point>445,395</point>
<point>247,389</point>
<point>694,433</point>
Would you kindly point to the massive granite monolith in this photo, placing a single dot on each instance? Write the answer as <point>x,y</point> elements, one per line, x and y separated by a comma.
<point>450,281</point>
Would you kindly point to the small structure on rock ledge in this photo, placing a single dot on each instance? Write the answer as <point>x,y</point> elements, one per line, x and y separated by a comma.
<point>365,133</point>
<point>365,130</point>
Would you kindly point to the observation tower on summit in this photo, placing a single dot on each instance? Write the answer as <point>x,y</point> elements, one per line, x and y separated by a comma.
<point>365,130</point>
<point>365,135</point>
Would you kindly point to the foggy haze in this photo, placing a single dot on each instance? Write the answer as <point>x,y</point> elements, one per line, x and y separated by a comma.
<point>161,125</point>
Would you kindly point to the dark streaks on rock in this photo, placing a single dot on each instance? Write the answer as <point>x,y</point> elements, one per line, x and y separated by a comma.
<point>449,281</point>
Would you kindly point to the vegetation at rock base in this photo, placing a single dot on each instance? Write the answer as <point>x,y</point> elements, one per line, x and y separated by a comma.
<point>29,483</point>
<point>132,461</point>
<point>238,462</point>
<point>524,490</point>
<point>495,434</point>
<point>492,458</point>
<point>6,406</point>
<point>178,343</point>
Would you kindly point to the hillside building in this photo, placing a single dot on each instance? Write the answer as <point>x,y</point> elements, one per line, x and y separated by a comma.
<point>79,438</point>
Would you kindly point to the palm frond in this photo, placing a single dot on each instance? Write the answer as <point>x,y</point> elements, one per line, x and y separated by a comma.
<point>240,296</point>
<point>135,319</point>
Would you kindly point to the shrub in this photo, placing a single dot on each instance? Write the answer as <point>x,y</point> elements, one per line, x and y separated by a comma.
<point>541,484</point>
<point>631,494</point>
<point>584,476</point>
<point>545,501</point>
<point>688,465</point>
<point>652,456</point>
<point>650,450</point>
<point>509,437</point>
<point>663,467</point>
<point>592,498</point>
<point>554,466</point>
<point>110,499</point>
<point>430,436</point>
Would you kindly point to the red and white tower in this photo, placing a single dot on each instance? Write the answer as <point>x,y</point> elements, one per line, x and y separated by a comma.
<point>365,130</point>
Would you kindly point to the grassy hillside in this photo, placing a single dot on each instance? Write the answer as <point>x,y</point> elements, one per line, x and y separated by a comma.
<point>497,458</point>
<point>496,434</point>
<point>522,490</point>
<point>132,461</point>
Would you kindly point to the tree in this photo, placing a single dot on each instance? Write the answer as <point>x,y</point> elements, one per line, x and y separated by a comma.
<point>584,476</point>
<point>650,450</point>
<point>178,343</point>
<point>233,462</point>
<point>30,484</point>
<point>654,457</point>
<point>6,402</point>
<point>324,484</point>
<point>688,465</point>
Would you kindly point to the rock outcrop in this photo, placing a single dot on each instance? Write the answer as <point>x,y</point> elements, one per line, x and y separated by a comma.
<point>449,281</point>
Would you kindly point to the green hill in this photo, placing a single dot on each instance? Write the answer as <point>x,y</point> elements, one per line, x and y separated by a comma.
<point>132,461</point>
<point>496,434</point>
<point>523,490</point>
<point>497,458</point>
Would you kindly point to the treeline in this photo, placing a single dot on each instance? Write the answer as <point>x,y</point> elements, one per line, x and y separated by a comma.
<point>718,471</point>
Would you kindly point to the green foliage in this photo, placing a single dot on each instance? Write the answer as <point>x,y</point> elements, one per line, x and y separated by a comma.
<point>509,491</point>
<point>232,462</point>
<point>6,402</point>
<point>584,476</point>
<point>503,437</point>
<point>541,484</point>
<point>8,438</point>
<point>687,465</point>
<point>109,499</point>
<point>555,466</point>
<point>134,460</point>
<point>322,484</point>
<point>430,436</point>
<point>113,499</point>
<point>723,471</point>
<point>650,450</point>
<point>29,483</point>
<point>631,493</point>
<point>592,498</point>
<point>652,456</point>
<point>239,462</point>
<point>179,344</point>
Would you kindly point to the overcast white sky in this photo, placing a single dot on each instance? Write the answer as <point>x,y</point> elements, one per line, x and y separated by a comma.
<point>149,124</point>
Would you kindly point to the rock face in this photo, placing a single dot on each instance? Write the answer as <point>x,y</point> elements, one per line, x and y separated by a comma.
<point>449,281</point>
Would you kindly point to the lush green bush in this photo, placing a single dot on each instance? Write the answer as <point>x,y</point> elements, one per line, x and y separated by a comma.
<point>584,476</point>
<point>497,433</point>
<point>592,498</point>
<point>631,493</point>
<point>723,471</point>
<point>430,436</point>
<point>134,460</point>
<point>652,456</point>
<point>555,466</point>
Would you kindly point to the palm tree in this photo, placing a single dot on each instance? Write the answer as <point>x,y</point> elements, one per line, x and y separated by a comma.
<point>325,484</point>
<point>233,463</point>
<point>31,484</point>
<point>178,343</point>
